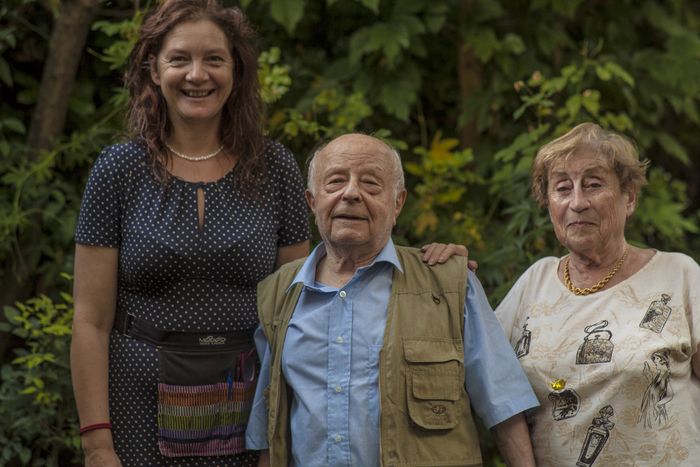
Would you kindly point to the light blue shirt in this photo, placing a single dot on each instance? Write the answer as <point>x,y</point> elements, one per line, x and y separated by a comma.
<point>331,361</point>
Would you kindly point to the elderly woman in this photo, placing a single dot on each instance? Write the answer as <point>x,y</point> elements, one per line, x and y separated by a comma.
<point>176,228</point>
<point>608,335</point>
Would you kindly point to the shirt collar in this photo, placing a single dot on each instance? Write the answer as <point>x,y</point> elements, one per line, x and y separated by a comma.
<point>307,273</point>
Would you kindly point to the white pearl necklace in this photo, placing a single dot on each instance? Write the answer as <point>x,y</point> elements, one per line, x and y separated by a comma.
<point>195,158</point>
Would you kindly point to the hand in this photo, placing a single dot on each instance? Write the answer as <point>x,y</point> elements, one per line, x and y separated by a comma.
<point>99,450</point>
<point>104,457</point>
<point>439,253</point>
<point>264,460</point>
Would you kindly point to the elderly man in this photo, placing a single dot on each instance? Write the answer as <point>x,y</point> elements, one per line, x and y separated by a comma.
<point>370,357</point>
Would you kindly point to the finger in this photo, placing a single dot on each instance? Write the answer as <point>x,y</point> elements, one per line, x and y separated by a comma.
<point>473,265</point>
<point>437,254</point>
<point>428,251</point>
<point>451,250</point>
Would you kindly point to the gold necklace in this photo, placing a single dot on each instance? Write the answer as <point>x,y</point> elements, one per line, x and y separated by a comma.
<point>598,285</point>
<point>195,158</point>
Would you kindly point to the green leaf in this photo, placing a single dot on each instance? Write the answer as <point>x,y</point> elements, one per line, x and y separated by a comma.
<point>673,147</point>
<point>514,43</point>
<point>603,73</point>
<point>573,104</point>
<point>435,16</point>
<point>5,72</point>
<point>372,5</point>
<point>590,99</point>
<point>288,13</point>
<point>13,124</point>
<point>485,43</point>
<point>566,7</point>
<point>619,72</point>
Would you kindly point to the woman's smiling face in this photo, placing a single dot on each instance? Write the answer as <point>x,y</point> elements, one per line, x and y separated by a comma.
<point>194,70</point>
<point>586,203</point>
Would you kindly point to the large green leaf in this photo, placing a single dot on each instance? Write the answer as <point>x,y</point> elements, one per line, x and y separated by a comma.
<point>288,13</point>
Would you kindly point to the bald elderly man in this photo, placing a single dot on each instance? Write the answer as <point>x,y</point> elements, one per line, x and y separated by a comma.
<point>369,356</point>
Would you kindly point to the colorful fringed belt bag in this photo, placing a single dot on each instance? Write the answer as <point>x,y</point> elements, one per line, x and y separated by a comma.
<point>205,391</point>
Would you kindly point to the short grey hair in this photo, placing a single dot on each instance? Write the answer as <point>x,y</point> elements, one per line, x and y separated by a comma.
<point>399,180</point>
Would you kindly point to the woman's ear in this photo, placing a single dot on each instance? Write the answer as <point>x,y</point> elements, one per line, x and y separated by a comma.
<point>631,201</point>
<point>153,66</point>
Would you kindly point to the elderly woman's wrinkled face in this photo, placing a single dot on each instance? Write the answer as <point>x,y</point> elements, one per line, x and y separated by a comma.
<point>194,70</point>
<point>586,204</point>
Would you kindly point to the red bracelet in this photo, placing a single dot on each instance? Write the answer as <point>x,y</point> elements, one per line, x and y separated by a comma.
<point>95,426</point>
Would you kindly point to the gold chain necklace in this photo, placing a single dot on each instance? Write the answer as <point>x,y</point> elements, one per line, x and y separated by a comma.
<point>195,158</point>
<point>598,285</point>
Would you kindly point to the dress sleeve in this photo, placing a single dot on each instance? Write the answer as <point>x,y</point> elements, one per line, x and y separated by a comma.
<point>693,302</point>
<point>507,310</point>
<point>256,432</point>
<point>494,379</point>
<point>100,210</point>
<point>291,209</point>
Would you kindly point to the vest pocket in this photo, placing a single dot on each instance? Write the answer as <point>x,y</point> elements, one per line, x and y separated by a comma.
<point>434,381</point>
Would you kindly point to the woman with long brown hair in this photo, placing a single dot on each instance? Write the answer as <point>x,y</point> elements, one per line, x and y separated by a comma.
<point>176,228</point>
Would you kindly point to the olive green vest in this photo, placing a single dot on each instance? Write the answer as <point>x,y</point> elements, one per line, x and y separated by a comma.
<point>425,417</point>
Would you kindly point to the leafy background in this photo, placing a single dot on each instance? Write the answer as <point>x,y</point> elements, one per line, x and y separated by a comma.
<point>467,90</point>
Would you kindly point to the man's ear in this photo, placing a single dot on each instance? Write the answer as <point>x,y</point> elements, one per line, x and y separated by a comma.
<point>153,65</point>
<point>400,201</point>
<point>310,200</point>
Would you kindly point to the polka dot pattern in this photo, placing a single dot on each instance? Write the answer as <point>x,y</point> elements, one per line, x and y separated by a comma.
<point>180,276</point>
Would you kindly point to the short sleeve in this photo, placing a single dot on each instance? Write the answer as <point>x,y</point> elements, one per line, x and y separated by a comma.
<point>691,272</point>
<point>507,310</point>
<point>100,210</point>
<point>289,188</point>
<point>494,379</point>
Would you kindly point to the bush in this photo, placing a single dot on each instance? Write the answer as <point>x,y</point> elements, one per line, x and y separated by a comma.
<point>38,419</point>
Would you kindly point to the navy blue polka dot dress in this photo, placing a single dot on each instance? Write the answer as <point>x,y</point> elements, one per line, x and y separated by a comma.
<point>180,276</point>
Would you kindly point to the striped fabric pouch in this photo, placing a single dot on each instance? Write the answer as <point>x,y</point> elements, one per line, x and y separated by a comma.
<point>204,400</point>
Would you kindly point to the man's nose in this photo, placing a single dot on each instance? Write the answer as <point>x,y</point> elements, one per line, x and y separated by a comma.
<point>351,191</point>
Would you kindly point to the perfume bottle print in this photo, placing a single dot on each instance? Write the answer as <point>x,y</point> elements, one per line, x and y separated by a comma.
<point>565,401</point>
<point>522,347</point>
<point>658,393</point>
<point>657,314</point>
<point>596,437</point>
<point>596,346</point>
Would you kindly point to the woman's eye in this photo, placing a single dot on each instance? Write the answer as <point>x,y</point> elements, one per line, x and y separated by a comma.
<point>178,59</point>
<point>215,59</point>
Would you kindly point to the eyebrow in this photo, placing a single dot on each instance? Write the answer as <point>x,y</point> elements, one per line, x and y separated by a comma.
<point>178,50</point>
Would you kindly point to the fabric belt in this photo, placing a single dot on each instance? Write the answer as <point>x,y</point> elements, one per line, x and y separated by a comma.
<point>138,328</point>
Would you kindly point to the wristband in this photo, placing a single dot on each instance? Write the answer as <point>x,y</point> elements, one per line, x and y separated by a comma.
<point>95,426</point>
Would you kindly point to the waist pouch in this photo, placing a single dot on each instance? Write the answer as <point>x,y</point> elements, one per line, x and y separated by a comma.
<point>206,385</point>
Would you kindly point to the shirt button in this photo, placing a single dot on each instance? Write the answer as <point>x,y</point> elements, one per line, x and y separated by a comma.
<point>339,340</point>
<point>338,389</point>
<point>338,438</point>
<point>343,294</point>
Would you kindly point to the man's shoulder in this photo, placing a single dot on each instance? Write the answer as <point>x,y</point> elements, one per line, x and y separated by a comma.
<point>450,275</point>
<point>284,275</point>
<point>413,258</point>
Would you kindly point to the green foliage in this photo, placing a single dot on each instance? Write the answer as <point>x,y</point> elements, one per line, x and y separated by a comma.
<point>36,402</point>
<point>468,91</point>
